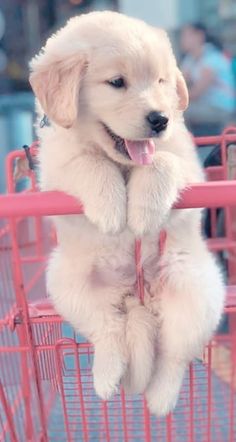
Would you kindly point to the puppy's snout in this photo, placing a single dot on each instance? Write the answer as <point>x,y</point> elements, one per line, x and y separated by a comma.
<point>157,121</point>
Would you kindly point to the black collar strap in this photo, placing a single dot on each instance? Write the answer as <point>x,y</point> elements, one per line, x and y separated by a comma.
<point>45,121</point>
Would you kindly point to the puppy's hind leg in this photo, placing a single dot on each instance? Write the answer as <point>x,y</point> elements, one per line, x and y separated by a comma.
<point>110,355</point>
<point>141,329</point>
<point>190,303</point>
<point>94,313</point>
<point>163,391</point>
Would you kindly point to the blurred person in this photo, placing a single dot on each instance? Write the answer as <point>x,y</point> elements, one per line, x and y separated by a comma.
<point>209,76</point>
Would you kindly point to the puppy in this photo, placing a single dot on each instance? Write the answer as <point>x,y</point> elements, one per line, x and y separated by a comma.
<point>111,90</point>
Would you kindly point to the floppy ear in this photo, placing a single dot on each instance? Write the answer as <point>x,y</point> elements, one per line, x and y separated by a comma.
<point>182,91</point>
<point>56,84</point>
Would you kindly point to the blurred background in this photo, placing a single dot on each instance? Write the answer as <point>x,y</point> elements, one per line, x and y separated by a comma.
<point>203,33</point>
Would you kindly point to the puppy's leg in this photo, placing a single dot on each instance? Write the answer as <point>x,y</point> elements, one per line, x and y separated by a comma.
<point>152,192</point>
<point>96,314</point>
<point>110,354</point>
<point>163,391</point>
<point>137,347</point>
<point>141,329</point>
<point>190,304</point>
<point>98,184</point>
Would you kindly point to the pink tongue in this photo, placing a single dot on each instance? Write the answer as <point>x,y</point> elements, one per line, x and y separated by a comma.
<point>141,152</point>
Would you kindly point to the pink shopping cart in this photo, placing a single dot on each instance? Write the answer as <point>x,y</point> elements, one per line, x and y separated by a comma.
<point>46,389</point>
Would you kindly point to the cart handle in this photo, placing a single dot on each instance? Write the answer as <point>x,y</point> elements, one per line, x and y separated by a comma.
<point>211,194</point>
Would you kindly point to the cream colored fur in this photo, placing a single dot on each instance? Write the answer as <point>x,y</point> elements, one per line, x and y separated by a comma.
<point>91,274</point>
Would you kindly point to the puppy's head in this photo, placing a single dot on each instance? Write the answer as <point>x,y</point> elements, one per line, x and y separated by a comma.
<point>113,78</point>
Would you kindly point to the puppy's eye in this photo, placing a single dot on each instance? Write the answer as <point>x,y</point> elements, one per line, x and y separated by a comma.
<point>161,80</point>
<point>118,82</point>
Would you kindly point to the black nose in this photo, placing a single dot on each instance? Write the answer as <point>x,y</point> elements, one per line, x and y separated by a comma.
<point>157,120</point>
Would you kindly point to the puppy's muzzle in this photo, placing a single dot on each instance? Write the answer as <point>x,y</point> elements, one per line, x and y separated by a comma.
<point>157,121</point>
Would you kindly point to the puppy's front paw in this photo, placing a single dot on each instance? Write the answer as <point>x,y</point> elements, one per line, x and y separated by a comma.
<point>108,369</point>
<point>109,216</point>
<point>143,219</point>
<point>152,193</point>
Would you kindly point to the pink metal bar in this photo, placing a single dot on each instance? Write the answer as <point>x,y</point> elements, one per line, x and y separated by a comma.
<point>106,421</point>
<point>211,194</point>
<point>124,416</point>
<point>36,203</point>
<point>169,428</point>
<point>9,415</point>
<point>229,135</point>
<point>191,399</point>
<point>147,426</point>
<point>209,394</point>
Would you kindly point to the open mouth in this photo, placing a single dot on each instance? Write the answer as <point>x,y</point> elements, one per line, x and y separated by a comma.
<point>139,151</point>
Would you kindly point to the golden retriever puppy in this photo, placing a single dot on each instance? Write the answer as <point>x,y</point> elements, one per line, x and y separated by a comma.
<point>114,98</point>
